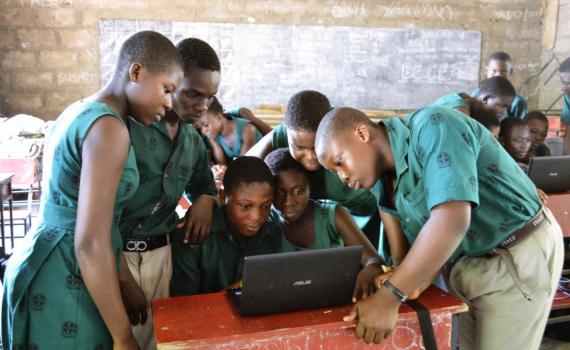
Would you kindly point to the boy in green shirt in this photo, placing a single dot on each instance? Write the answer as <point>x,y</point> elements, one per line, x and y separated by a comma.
<point>303,114</point>
<point>172,160</point>
<point>464,203</point>
<point>242,226</point>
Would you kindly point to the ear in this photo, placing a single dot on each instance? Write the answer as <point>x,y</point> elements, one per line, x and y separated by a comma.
<point>485,99</point>
<point>362,132</point>
<point>135,71</point>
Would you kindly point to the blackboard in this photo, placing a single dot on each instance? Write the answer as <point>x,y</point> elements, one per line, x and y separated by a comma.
<point>363,67</point>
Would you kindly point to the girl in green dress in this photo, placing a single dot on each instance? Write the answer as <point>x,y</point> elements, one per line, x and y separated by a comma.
<point>309,224</point>
<point>62,282</point>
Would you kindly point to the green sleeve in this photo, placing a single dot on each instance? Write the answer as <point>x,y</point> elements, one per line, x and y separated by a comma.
<point>233,112</point>
<point>279,137</point>
<point>202,180</point>
<point>186,275</point>
<point>565,116</point>
<point>447,149</point>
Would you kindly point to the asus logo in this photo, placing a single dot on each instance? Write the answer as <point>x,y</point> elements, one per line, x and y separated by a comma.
<point>552,174</point>
<point>302,283</point>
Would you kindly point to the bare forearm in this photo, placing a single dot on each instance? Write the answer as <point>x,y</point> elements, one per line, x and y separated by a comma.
<point>217,152</point>
<point>259,124</point>
<point>97,265</point>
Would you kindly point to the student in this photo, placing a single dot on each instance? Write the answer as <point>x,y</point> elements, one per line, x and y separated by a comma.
<point>515,137</point>
<point>463,203</point>
<point>242,226</point>
<point>495,94</point>
<point>61,283</point>
<point>172,161</point>
<point>229,136</point>
<point>499,64</point>
<point>538,127</point>
<point>303,114</point>
<point>564,72</point>
<point>309,224</point>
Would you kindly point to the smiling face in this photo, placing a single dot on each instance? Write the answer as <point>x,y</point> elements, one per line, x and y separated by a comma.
<point>353,158</point>
<point>302,148</point>
<point>538,131</point>
<point>150,94</point>
<point>291,194</point>
<point>196,92</point>
<point>497,68</point>
<point>517,142</point>
<point>247,207</point>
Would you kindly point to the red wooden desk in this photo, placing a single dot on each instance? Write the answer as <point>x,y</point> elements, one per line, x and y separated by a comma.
<point>211,321</point>
<point>559,204</point>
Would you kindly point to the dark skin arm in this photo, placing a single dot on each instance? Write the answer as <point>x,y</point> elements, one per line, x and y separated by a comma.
<point>247,139</point>
<point>437,240</point>
<point>262,126</point>
<point>198,219</point>
<point>352,235</point>
<point>263,147</point>
<point>104,154</point>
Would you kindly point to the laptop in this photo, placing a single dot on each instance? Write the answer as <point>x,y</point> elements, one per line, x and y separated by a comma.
<point>550,174</point>
<point>294,281</point>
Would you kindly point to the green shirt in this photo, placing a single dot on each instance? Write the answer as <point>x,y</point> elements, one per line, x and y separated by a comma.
<point>452,101</point>
<point>167,170</point>
<point>326,233</point>
<point>441,155</point>
<point>218,261</point>
<point>565,116</point>
<point>325,184</point>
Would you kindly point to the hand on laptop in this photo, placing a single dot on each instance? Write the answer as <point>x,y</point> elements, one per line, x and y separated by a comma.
<point>365,282</point>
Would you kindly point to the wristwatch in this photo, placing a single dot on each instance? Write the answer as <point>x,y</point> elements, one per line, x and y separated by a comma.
<point>398,293</point>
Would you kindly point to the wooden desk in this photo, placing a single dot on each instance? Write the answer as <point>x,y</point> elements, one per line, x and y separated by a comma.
<point>559,204</point>
<point>6,196</point>
<point>211,320</point>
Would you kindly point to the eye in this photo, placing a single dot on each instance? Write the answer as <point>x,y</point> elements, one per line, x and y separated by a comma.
<point>338,162</point>
<point>300,148</point>
<point>245,206</point>
<point>267,206</point>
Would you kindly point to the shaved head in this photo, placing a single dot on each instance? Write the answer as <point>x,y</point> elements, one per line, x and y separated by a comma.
<point>338,122</point>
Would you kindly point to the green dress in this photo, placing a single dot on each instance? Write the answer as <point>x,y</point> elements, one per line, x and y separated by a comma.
<point>326,233</point>
<point>234,152</point>
<point>45,303</point>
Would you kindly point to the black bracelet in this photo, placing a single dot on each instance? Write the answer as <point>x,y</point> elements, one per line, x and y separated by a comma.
<point>398,293</point>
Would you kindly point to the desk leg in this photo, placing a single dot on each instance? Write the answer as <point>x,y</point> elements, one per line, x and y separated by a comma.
<point>11,224</point>
<point>3,233</point>
<point>454,329</point>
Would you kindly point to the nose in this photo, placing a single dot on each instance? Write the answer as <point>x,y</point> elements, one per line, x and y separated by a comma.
<point>168,102</point>
<point>311,155</point>
<point>254,215</point>
<point>289,199</point>
<point>202,104</point>
<point>342,175</point>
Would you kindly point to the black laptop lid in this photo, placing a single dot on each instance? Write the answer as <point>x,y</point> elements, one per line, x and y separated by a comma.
<point>550,174</point>
<point>299,280</point>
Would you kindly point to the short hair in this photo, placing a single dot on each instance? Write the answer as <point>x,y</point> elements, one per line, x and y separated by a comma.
<point>497,87</point>
<point>281,160</point>
<point>499,56</point>
<point>152,50</point>
<point>246,170</point>
<point>306,109</point>
<point>565,66</point>
<point>486,117</point>
<point>199,54</point>
<point>339,120</point>
<point>509,123</point>
<point>536,115</point>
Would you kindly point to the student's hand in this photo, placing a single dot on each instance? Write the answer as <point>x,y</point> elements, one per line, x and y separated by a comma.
<point>135,302</point>
<point>542,196</point>
<point>198,220</point>
<point>127,344</point>
<point>377,316</point>
<point>365,282</point>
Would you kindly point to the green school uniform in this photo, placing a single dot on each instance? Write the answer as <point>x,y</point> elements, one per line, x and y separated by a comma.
<point>324,184</point>
<point>517,109</point>
<point>45,303</point>
<point>565,116</point>
<point>453,100</point>
<point>442,156</point>
<point>234,152</point>
<point>218,261</point>
<point>167,170</point>
<point>326,233</point>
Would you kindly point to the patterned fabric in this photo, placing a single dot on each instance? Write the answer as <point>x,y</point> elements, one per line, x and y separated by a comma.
<point>452,101</point>
<point>442,156</point>
<point>218,261</point>
<point>234,152</point>
<point>167,170</point>
<point>326,233</point>
<point>45,303</point>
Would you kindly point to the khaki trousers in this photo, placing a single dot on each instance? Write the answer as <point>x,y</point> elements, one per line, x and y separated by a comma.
<point>152,271</point>
<point>509,295</point>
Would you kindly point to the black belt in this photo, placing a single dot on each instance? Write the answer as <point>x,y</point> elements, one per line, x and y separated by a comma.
<point>144,244</point>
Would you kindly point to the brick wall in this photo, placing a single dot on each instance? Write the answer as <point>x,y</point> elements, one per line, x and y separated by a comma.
<point>49,48</point>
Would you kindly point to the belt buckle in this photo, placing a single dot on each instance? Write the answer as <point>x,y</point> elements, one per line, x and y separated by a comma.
<point>136,245</point>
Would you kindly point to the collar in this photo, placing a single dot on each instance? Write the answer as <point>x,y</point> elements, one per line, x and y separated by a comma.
<point>399,138</point>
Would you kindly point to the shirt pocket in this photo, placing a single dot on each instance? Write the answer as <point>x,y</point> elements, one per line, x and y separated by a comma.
<point>412,207</point>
